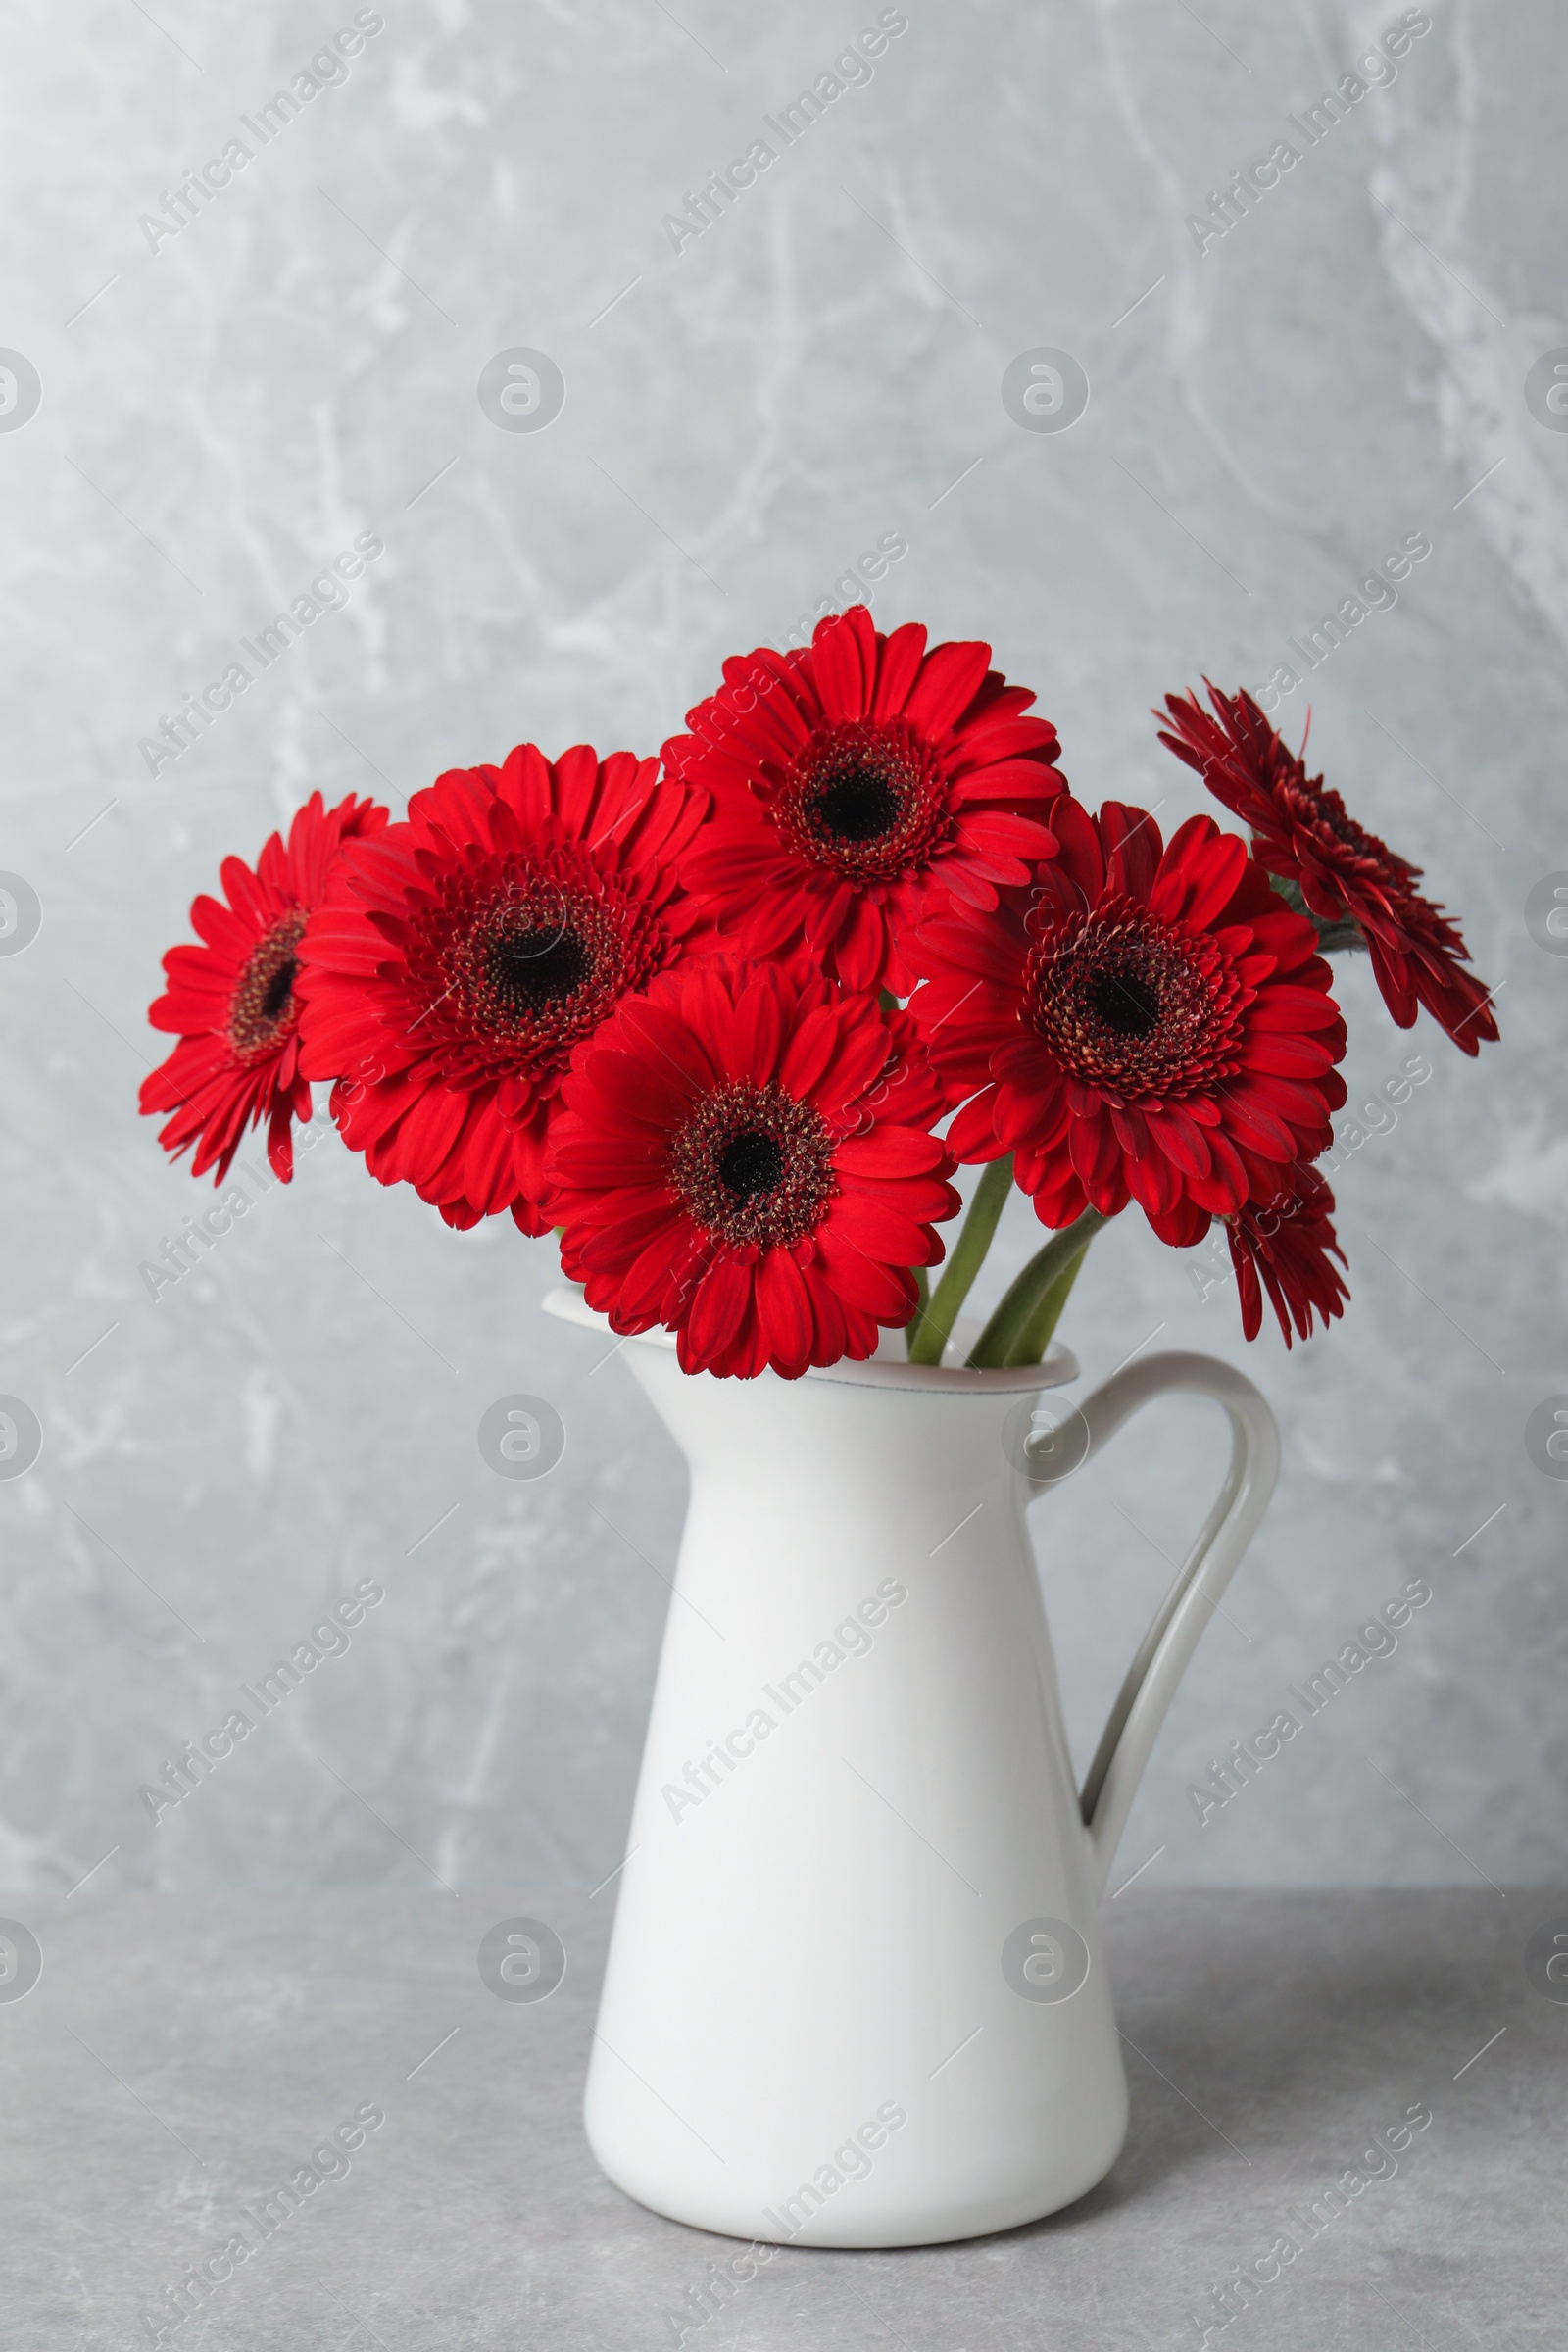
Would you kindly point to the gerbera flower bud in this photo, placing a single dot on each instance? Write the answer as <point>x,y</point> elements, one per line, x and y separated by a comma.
<point>1302,833</point>
<point>726,1167</point>
<point>1147,1024</point>
<point>234,1001</point>
<point>468,951</point>
<point>850,779</point>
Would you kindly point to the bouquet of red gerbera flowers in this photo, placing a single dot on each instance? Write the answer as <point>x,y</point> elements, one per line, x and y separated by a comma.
<point>732,1018</point>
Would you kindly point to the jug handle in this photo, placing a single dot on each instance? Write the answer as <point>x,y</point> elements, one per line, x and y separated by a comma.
<point>1172,1637</point>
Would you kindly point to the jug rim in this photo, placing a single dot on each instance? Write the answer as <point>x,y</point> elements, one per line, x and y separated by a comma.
<point>567,1303</point>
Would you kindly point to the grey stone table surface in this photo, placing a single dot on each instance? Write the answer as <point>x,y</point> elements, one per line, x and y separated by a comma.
<point>179,2057</point>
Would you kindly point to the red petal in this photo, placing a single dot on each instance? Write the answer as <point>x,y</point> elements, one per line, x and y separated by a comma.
<point>898,668</point>
<point>949,679</point>
<point>715,1313</point>
<point>786,1313</point>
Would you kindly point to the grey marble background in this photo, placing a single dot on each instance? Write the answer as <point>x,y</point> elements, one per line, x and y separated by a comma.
<point>221,415</point>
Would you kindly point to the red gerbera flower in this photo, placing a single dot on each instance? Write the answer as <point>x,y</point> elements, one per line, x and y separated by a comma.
<point>1147,1022</point>
<point>849,779</point>
<point>1344,874</point>
<point>233,1002</point>
<point>466,952</point>
<point>1285,1247</point>
<point>909,1092</point>
<point>725,1167</point>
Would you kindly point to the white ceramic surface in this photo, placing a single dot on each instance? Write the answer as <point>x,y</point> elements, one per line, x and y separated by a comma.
<point>854,1994</point>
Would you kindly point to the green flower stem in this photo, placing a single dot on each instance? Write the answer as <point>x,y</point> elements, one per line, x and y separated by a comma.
<point>931,1330</point>
<point>923,1290</point>
<point>1024,1308</point>
<point>1036,1337</point>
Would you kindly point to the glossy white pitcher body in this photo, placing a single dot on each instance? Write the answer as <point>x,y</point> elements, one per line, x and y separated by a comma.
<point>855,1993</point>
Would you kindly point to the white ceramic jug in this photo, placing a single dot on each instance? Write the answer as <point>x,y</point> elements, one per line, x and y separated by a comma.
<point>855,1993</point>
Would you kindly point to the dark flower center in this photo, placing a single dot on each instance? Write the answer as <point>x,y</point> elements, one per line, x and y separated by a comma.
<point>751,1163</point>
<point>858,806</point>
<point>866,799</point>
<point>521,957</point>
<point>754,1166</point>
<point>1133,1007</point>
<point>529,969</point>
<point>264,1011</point>
<point>1125,1002</point>
<point>280,988</point>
